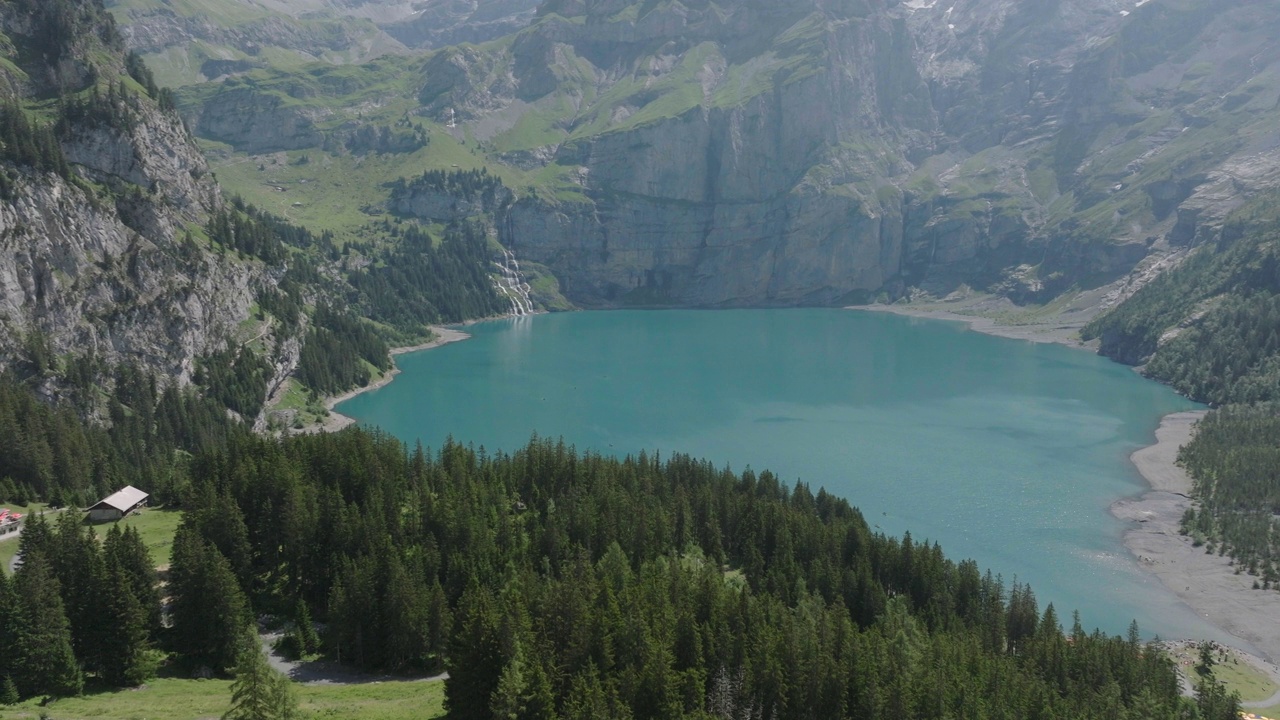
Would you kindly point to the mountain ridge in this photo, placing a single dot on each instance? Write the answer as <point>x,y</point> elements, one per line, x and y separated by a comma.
<point>737,153</point>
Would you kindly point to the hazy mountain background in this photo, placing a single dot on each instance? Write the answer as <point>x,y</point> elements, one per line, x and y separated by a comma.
<point>747,152</point>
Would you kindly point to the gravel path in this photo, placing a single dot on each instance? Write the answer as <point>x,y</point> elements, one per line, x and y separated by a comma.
<point>326,672</point>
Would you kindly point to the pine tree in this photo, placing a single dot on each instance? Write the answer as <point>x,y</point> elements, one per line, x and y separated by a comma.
<point>77,563</point>
<point>45,663</point>
<point>1214,702</point>
<point>589,699</point>
<point>127,659</point>
<point>476,662</point>
<point>308,640</point>
<point>10,623</point>
<point>259,692</point>
<point>1205,666</point>
<point>9,692</point>
<point>36,538</point>
<point>126,551</point>
<point>208,608</point>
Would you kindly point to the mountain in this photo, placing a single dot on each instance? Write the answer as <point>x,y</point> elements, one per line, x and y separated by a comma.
<point>1211,326</point>
<point>190,41</point>
<point>103,197</point>
<point>801,152</point>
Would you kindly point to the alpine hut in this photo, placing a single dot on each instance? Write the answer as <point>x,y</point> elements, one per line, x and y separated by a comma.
<point>118,504</point>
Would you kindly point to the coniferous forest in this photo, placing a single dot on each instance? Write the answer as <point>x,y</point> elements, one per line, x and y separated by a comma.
<point>1211,329</point>
<point>556,584</point>
<point>1234,459</point>
<point>548,583</point>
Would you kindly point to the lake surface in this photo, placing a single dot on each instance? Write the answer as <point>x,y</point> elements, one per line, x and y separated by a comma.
<point>1005,451</point>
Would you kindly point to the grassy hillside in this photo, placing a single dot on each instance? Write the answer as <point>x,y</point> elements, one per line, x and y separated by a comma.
<point>191,41</point>
<point>179,699</point>
<point>1209,327</point>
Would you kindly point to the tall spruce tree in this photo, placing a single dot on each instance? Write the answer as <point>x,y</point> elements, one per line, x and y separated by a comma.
<point>126,551</point>
<point>10,624</point>
<point>76,560</point>
<point>45,663</point>
<point>36,538</point>
<point>308,640</point>
<point>9,692</point>
<point>1214,702</point>
<point>208,608</point>
<point>259,691</point>
<point>476,661</point>
<point>126,659</point>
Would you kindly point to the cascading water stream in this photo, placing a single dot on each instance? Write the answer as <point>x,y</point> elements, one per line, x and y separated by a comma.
<point>511,283</point>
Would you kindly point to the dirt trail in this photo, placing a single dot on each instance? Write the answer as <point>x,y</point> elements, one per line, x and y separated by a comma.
<point>326,672</point>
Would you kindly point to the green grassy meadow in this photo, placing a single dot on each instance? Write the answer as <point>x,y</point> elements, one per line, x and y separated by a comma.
<point>1235,672</point>
<point>178,699</point>
<point>9,543</point>
<point>156,526</point>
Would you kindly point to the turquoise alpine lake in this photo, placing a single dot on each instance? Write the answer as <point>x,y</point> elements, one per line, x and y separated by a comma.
<point>1008,452</point>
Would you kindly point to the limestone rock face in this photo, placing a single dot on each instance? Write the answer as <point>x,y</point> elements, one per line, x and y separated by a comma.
<point>96,261</point>
<point>72,269</point>
<point>1018,146</point>
<point>753,152</point>
<point>156,154</point>
<point>259,122</point>
<point>443,207</point>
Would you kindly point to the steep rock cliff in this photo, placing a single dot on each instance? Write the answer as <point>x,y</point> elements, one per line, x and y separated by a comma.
<point>95,260</point>
<point>817,151</point>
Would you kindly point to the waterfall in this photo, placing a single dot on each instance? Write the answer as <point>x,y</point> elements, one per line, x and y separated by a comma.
<point>512,284</point>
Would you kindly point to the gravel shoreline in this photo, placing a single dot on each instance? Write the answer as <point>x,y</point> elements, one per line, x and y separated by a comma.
<point>337,421</point>
<point>1206,583</point>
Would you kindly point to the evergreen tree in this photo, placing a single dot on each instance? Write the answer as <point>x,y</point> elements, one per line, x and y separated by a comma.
<point>126,552</point>
<point>1215,703</point>
<point>1205,666</point>
<point>36,538</point>
<point>476,663</point>
<point>77,563</point>
<point>10,623</point>
<point>45,663</point>
<point>127,659</point>
<point>208,608</point>
<point>9,692</point>
<point>589,699</point>
<point>309,641</point>
<point>259,692</point>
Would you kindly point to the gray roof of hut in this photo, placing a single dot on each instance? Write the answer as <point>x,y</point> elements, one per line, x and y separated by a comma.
<point>123,500</point>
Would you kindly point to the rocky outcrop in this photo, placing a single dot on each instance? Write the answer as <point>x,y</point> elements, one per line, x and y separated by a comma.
<point>73,270</point>
<point>155,154</point>
<point>1020,147</point>
<point>815,151</point>
<point>435,206</point>
<point>255,121</point>
<point>96,258</point>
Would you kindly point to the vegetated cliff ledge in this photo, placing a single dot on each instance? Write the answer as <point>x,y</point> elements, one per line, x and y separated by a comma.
<point>102,204</point>
<point>824,151</point>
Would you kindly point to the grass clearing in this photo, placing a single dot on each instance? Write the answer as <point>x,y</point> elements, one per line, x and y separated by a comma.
<point>181,699</point>
<point>9,543</point>
<point>157,527</point>
<point>1239,676</point>
<point>1234,670</point>
<point>342,193</point>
